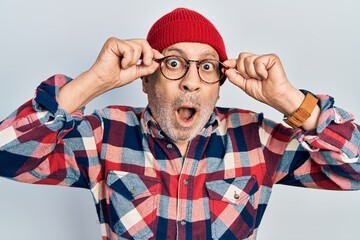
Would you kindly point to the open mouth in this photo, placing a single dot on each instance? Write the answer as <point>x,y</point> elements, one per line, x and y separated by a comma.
<point>186,114</point>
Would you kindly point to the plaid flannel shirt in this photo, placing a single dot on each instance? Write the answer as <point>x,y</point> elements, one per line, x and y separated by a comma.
<point>142,186</point>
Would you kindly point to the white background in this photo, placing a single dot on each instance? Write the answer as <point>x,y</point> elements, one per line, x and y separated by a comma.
<point>318,42</point>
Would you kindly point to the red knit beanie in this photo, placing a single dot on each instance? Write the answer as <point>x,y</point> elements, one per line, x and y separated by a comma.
<point>184,25</point>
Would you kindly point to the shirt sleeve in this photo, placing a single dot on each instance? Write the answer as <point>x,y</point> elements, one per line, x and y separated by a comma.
<point>327,157</point>
<point>43,144</point>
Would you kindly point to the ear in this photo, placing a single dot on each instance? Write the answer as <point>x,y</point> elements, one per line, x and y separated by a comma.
<point>145,83</point>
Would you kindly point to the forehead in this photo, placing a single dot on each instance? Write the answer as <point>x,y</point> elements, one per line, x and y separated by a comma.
<point>192,50</point>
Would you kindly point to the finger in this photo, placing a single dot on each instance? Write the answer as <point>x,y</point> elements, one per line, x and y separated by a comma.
<point>143,70</point>
<point>260,67</point>
<point>127,55</point>
<point>135,53</point>
<point>235,78</point>
<point>147,54</point>
<point>157,54</point>
<point>230,63</point>
<point>114,46</point>
<point>250,66</point>
<point>241,66</point>
<point>119,48</point>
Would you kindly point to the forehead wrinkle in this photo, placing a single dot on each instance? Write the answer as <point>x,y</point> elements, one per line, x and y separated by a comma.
<point>209,53</point>
<point>180,51</point>
<point>204,53</point>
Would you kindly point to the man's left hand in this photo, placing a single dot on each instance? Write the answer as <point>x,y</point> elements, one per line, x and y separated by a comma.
<point>263,78</point>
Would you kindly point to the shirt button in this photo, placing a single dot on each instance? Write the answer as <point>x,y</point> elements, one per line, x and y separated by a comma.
<point>183,222</point>
<point>185,182</point>
<point>236,196</point>
<point>169,146</point>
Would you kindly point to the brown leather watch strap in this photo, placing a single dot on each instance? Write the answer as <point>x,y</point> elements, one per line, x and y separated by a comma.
<point>300,116</point>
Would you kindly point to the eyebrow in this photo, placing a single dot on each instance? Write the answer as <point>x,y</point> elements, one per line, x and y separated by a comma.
<point>205,54</point>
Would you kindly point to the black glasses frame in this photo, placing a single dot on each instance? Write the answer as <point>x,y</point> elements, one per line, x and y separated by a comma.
<point>187,66</point>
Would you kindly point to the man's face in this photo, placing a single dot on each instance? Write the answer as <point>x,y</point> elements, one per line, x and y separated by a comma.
<point>182,107</point>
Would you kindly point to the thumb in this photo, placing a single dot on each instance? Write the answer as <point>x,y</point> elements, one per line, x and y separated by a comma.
<point>233,74</point>
<point>234,77</point>
<point>143,70</point>
<point>157,54</point>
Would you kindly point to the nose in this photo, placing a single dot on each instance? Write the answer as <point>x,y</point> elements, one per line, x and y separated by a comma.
<point>191,81</point>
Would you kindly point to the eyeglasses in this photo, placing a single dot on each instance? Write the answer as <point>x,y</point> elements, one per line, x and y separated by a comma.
<point>175,67</point>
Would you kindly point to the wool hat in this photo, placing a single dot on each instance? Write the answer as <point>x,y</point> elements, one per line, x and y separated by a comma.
<point>185,25</point>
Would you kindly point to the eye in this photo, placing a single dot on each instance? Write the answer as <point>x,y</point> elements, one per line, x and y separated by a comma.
<point>208,66</point>
<point>173,63</point>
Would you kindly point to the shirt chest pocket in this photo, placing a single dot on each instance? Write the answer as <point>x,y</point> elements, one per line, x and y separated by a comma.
<point>231,204</point>
<point>133,205</point>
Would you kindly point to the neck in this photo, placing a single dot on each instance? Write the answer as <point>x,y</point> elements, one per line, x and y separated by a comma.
<point>182,146</point>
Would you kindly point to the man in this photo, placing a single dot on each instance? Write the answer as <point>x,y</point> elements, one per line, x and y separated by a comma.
<point>181,167</point>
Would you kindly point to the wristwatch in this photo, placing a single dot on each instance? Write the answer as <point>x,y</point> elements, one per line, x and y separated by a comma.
<point>300,116</point>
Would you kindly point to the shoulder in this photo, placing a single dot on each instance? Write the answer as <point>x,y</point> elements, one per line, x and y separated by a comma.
<point>115,113</point>
<point>237,116</point>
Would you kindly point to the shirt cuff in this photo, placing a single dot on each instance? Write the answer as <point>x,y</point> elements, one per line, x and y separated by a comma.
<point>330,113</point>
<point>335,131</point>
<point>46,100</point>
<point>47,93</point>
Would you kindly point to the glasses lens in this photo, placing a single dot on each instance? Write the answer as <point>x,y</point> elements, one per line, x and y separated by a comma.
<point>173,67</point>
<point>210,70</point>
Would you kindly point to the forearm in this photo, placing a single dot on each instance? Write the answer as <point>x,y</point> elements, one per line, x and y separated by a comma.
<point>326,158</point>
<point>80,91</point>
<point>290,102</point>
<point>27,138</point>
<point>34,147</point>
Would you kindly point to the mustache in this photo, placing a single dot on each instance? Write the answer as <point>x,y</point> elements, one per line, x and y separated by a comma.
<point>186,99</point>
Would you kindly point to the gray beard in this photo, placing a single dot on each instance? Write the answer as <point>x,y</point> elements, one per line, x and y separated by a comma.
<point>163,112</point>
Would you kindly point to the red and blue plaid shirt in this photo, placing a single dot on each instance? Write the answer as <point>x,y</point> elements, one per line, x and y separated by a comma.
<point>142,186</point>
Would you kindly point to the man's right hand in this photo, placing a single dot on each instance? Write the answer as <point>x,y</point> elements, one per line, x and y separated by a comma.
<point>120,62</point>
